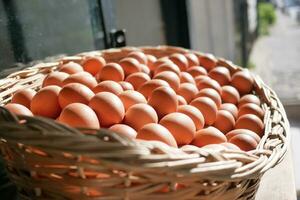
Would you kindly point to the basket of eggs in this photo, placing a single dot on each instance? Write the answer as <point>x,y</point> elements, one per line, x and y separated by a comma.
<point>139,123</point>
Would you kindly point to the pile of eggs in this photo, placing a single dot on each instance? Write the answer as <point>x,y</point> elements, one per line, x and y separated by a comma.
<point>180,100</point>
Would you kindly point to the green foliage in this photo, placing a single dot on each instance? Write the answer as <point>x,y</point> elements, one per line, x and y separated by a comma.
<point>267,17</point>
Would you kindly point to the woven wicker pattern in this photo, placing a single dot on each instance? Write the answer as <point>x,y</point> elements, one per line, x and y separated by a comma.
<point>48,160</point>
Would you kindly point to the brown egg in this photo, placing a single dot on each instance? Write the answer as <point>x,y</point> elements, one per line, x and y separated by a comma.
<point>209,83</point>
<point>209,135</point>
<point>23,97</point>
<point>251,108</point>
<point>196,71</point>
<point>111,71</point>
<point>126,85</point>
<point>81,78</point>
<point>181,127</point>
<point>139,56</point>
<point>188,91</point>
<point>230,95</point>
<point>244,142</point>
<point>249,98</point>
<point>108,107</point>
<point>169,77</point>
<point>194,114</point>
<point>200,78</point>
<point>18,109</point>
<point>145,69</point>
<point>74,93</point>
<point>93,65</point>
<point>181,100</point>
<point>130,66</point>
<point>221,75</point>
<point>251,122</point>
<point>168,66</point>
<point>138,79</point>
<point>147,88</point>
<point>186,78</point>
<point>242,81</point>
<point>55,78</point>
<point>150,61</point>
<point>208,61</point>
<point>210,93</point>
<point>230,108</point>
<point>207,107</point>
<point>71,68</point>
<point>139,115</point>
<point>80,116</point>
<point>192,59</point>
<point>225,121</point>
<point>235,132</point>
<point>108,86</point>
<point>159,62</point>
<point>156,132</point>
<point>45,102</point>
<point>124,130</point>
<point>230,146</point>
<point>164,100</point>
<point>179,60</point>
<point>131,97</point>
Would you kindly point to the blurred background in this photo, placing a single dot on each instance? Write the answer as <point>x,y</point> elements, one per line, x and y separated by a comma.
<point>261,35</point>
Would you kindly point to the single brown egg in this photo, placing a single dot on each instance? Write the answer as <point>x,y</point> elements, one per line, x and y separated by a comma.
<point>208,61</point>
<point>159,62</point>
<point>179,60</point>
<point>139,56</point>
<point>156,132</point>
<point>194,114</point>
<point>55,78</point>
<point>130,66</point>
<point>249,98</point>
<point>45,102</point>
<point>111,71</point>
<point>242,81</point>
<point>186,78</point>
<point>18,109</point>
<point>23,97</point>
<point>181,100</point>
<point>230,95</point>
<point>74,93</point>
<point>108,86</point>
<point>230,108</point>
<point>126,85</point>
<point>93,65</point>
<point>168,66</point>
<point>139,115</point>
<point>209,135</point>
<point>221,75</point>
<point>150,61</point>
<point>200,78</point>
<point>131,97</point>
<point>251,122</point>
<point>244,142</point>
<point>235,132</point>
<point>210,93</point>
<point>147,88</point>
<point>181,127</point>
<point>251,108</point>
<point>81,78</point>
<point>169,77</point>
<point>137,79</point>
<point>207,107</point>
<point>71,68</point>
<point>145,69</point>
<point>80,116</point>
<point>196,71</point>
<point>209,83</point>
<point>124,130</point>
<point>192,59</point>
<point>188,91</point>
<point>230,146</point>
<point>225,121</point>
<point>108,107</point>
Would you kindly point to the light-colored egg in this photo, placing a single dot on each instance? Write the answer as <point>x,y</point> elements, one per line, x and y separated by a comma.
<point>81,78</point>
<point>18,109</point>
<point>147,88</point>
<point>169,77</point>
<point>71,68</point>
<point>93,65</point>
<point>45,102</point>
<point>108,107</point>
<point>150,61</point>
<point>242,81</point>
<point>111,71</point>
<point>230,95</point>
<point>23,97</point>
<point>124,130</point>
<point>225,121</point>
<point>55,78</point>
<point>168,66</point>
<point>181,127</point>
<point>244,142</point>
<point>131,97</point>
<point>230,108</point>
<point>251,108</point>
<point>181,100</point>
<point>208,61</point>
<point>108,86</point>
<point>156,132</point>
<point>186,78</point>
<point>130,66</point>
<point>209,83</point>
<point>210,93</point>
<point>249,98</point>
<point>209,135</point>
<point>138,79</point>
<point>80,116</point>
<point>207,107</point>
<point>194,114</point>
<point>139,56</point>
<point>179,60</point>
<point>74,93</point>
<point>126,85</point>
<point>196,71</point>
<point>188,91</point>
<point>235,132</point>
<point>251,122</point>
<point>221,75</point>
<point>192,59</point>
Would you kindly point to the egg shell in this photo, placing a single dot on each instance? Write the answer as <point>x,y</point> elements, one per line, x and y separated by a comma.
<point>235,132</point>
<point>210,93</point>
<point>251,108</point>
<point>230,146</point>
<point>251,122</point>
<point>71,68</point>
<point>80,116</point>
<point>230,95</point>
<point>207,107</point>
<point>242,81</point>
<point>181,100</point>
<point>45,102</point>
<point>18,109</point>
<point>131,97</point>
<point>108,107</point>
<point>139,115</point>
<point>244,142</point>
<point>221,75</point>
<point>111,71</point>
<point>93,65</point>
<point>124,130</point>
<point>74,93</point>
<point>108,86</point>
<point>249,98</point>
<point>159,62</point>
<point>150,61</point>
<point>186,78</point>
<point>23,97</point>
<point>179,60</point>
<point>196,71</point>
<point>138,79</point>
<point>194,114</point>
<point>188,91</point>
<point>126,85</point>
<point>156,132</point>
<point>130,66</point>
<point>139,56</point>
<point>55,78</point>
<point>225,121</point>
<point>145,69</point>
<point>164,100</point>
<point>181,127</point>
<point>209,135</point>
<point>231,108</point>
<point>169,66</point>
<point>192,59</point>
<point>81,78</point>
<point>200,78</point>
<point>208,61</point>
<point>147,88</point>
<point>209,83</point>
<point>169,77</point>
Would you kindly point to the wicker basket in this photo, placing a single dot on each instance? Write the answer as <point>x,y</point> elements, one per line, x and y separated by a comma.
<point>47,160</point>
